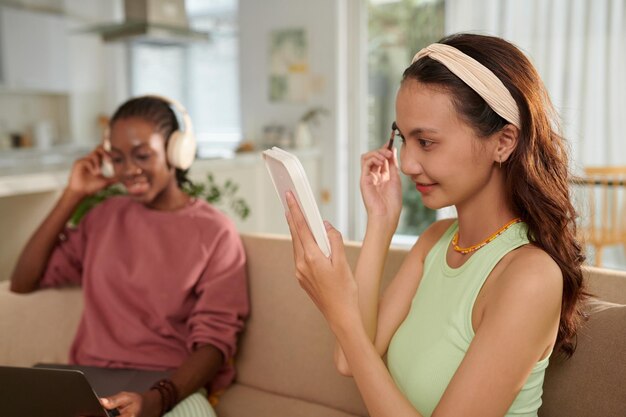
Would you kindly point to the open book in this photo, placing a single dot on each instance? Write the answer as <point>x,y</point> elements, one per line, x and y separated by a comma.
<point>288,175</point>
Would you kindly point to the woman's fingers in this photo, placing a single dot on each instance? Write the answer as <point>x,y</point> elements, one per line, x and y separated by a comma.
<point>102,154</point>
<point>116,401</point>
<point>298,252</point>
<point>91,163</point>
<point>372,161</point>
<point>128,404</point>
<point>381,155</point>
<point>372,165</point>
<point>375,164</point>
<point>309,245</point>
<point>394,157</point>
<point>337,248</point>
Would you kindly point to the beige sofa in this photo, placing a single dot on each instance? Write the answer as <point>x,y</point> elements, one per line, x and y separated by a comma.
<point>285,365</point>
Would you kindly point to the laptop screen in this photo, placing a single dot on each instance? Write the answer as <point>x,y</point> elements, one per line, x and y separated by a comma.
<point>38,392</point>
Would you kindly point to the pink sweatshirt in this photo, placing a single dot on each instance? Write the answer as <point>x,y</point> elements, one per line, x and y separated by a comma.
<point>156,284</point>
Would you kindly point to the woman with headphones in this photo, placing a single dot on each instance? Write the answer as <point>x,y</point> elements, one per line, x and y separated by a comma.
<point>163,274</point>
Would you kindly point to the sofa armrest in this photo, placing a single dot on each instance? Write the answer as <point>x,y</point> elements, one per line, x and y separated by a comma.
<point>38,327</point>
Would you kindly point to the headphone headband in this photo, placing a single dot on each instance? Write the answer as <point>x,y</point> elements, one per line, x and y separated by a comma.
<point>187,126</point>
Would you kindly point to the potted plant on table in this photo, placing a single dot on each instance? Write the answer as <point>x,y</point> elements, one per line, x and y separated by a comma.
<point>303,137</point>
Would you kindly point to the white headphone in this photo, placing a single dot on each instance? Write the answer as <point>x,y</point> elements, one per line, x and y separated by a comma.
<point>181,145</point>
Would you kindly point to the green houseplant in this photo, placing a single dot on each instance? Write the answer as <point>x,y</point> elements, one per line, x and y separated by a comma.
<point>220,195</point>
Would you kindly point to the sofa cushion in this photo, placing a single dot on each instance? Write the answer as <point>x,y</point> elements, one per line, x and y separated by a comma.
<point>40,325</point>
<point>286,347</point>
<point>606,284</point>
<point>242,401</point>
<point>592,382</point>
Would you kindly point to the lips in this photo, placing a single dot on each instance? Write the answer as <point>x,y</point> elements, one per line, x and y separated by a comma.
<point>137,186</point>
<point>425,187</point>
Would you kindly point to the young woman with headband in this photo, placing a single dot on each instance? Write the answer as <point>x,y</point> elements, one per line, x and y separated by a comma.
<point>163,274</point>
<point>481,302</point>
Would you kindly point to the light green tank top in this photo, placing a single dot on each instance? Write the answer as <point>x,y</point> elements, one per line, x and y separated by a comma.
<point>430,344</point>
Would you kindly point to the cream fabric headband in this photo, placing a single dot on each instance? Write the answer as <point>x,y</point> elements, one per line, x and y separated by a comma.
<point>478,77</point>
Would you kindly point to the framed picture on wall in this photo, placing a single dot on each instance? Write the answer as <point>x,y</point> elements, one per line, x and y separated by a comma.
<point>289,67</point>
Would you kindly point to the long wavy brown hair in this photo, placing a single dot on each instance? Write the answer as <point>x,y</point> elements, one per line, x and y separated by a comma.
<point>537,173</point>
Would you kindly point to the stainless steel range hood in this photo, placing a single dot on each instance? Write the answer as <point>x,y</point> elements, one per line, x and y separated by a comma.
<point>161,22</point>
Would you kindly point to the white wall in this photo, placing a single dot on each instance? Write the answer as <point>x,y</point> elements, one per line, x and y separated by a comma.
<point>98,71</point>
<point>320,21</point>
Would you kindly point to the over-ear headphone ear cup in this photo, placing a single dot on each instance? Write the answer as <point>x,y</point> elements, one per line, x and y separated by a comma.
<point>106,167</point>
<point>181,149</point>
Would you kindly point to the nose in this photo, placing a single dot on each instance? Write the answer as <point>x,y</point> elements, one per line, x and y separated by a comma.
<point>130,168</point>
<point>410,161</point>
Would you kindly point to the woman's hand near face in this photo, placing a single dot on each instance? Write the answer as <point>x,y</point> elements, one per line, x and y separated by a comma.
<point>132,404</point>
<point>86,177</point>
<point>380,185</point>
<point>327,281</point>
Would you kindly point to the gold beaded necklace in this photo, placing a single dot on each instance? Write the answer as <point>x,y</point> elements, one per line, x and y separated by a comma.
<point>474,248</point>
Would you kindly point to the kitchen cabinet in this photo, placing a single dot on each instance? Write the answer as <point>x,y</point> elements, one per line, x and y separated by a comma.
<point>34,51</point>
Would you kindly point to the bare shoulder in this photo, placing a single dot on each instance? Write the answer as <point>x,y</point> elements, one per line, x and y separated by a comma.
<point>531,274</point>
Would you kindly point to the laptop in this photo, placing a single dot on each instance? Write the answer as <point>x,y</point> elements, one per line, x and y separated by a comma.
<point>53,390</point>
<point>39,392</point>
<point>109,381</point>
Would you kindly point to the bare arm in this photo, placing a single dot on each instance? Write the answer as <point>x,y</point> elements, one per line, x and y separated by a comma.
<point>381,190</point>
<point>197,370</point>
<point>194,373</point>
<point>517,332</point>
<point>34,257</point>
<point>85,179</point>
<point>395,302</point>
<point>517,329</point>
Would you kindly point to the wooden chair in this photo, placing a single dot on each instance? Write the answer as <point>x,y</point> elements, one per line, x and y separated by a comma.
<point>606,191</point>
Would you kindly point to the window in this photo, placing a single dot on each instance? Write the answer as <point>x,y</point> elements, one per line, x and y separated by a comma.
<point>396,31</point>
<point>203,76</point>
<point>577,48</point>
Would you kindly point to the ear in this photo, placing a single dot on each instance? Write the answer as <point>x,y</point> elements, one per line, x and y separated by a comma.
<point>506,143</point>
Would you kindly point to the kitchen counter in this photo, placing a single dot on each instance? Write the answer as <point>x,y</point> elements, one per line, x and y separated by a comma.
<point>27,171</point>
<point>50,180</point>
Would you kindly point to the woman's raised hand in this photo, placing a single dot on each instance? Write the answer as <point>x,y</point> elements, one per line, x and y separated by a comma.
<point>86,177</point>
<point>381,187</point>
<point>328,281</point>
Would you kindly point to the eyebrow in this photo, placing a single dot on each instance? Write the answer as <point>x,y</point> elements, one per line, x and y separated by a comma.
<point>135,147</point>
<point>418,130</point>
